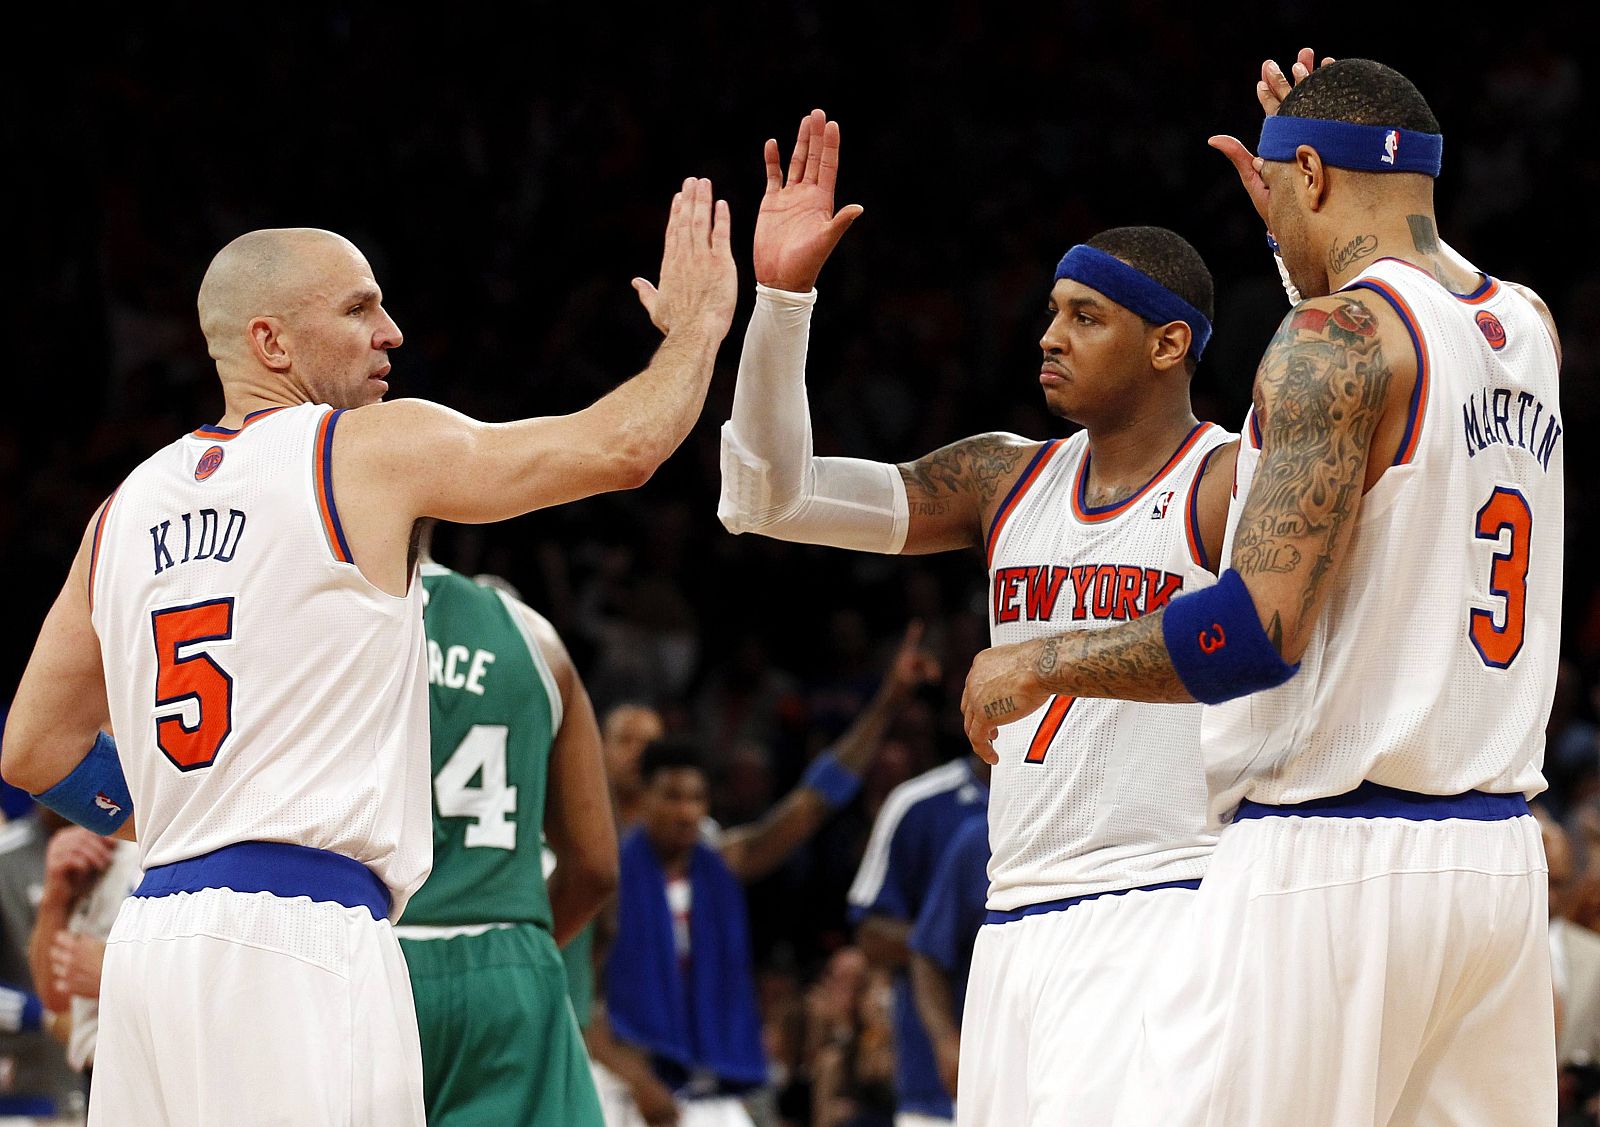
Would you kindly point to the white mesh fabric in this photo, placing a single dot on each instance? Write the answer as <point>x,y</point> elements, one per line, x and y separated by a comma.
<point>1119,799</point>
<point>329,739</point>
<point>1391,688</point>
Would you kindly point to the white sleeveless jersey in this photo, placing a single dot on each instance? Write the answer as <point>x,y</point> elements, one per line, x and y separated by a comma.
<point>1433,663</point>
<point>261,689</point>
<point>1095,795</point>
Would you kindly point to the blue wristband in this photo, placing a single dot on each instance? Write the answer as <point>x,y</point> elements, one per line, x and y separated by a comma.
<point>95,793</point>
<point>32,1013</point>
<point>20,1010</point>
<point>1218,648</point>
<point>835,782</point>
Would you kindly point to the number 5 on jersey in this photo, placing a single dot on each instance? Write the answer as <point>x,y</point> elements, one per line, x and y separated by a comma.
<point>190,683</point>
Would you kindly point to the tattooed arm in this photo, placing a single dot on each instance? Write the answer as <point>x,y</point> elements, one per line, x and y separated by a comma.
<point>1322,391</point>
<point>1327,395</point>
<point>953,491</point>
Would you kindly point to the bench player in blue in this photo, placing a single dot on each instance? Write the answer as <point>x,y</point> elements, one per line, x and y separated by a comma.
<point>892,884</point>
<point>942,941</point>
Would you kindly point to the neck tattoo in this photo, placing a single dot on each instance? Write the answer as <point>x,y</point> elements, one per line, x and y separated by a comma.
<point>1423,235</point>
<point>1342,258</point>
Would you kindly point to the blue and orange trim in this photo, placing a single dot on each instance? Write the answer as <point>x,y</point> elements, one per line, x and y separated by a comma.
<point>1419,394</point>
<point>1091,515</point>
<point>1487,289</point>
<point>1030,474</point>
<point>322,477</point>
<point>94,547</point>
<point>1191,513</point>
<point>223,434</point>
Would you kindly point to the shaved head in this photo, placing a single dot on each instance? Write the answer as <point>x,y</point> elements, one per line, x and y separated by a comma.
<point>262,274</point>
<point>295,312</point>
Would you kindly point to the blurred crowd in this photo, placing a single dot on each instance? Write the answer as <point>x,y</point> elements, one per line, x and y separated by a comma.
<point>508,182</point>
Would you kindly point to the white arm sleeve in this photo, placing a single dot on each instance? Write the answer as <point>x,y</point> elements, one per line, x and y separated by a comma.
<point>771,482</point>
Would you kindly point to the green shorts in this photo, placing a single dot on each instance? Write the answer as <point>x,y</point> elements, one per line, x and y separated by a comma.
<point>500,1044</point>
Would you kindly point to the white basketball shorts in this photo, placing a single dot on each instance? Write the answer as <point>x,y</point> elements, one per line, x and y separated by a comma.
<point>1053,1006</point>
<point>1357,970</point>
<point>250,1009</point>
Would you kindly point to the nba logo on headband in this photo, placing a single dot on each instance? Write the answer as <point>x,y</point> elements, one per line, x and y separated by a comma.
<point>1343,144</point>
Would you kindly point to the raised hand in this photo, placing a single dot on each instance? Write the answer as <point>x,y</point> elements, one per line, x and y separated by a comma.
<point>699,284</point>
<point>1271,89</point>
<point>912,666</point>
<point>797,228</point>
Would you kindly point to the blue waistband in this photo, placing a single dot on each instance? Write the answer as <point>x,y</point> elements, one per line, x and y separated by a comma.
<point>1370,800</point>
<point>275,867</point>
<point>30,1107</point>
<point>998,917</point>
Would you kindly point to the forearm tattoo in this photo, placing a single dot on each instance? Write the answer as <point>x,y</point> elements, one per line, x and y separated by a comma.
<point>1128,662</point>
<point>1319,396</point>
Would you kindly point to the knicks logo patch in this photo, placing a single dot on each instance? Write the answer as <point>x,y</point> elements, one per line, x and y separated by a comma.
<point>209,461</point>
<point>1493,331</point>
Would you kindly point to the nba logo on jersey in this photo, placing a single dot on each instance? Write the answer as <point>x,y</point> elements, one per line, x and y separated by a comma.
<point>1391,146</point>
<point>1159,510</point>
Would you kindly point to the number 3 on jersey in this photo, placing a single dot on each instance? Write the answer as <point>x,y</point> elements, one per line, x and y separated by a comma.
<point>185,677</point>
<point>1506,510</point>
<point>488,803</point>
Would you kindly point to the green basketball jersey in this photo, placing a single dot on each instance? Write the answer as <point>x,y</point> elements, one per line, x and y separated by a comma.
<point>494,708</point>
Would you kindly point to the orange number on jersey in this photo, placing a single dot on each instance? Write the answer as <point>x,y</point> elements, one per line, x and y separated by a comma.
<point>1054,717</point>
<point>1505,510</point>
<point>184,677</point>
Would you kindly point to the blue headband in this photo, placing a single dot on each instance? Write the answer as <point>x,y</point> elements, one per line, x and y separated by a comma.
<point>1134,290</point>
<point>1365,148</point>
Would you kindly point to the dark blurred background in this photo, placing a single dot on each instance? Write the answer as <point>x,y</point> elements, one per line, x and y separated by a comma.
<point>508,172</point>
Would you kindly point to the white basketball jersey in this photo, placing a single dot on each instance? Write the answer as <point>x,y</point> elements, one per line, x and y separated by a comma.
<point>1095,795</point>
<point>1433,663</point>
<point>261,689</point>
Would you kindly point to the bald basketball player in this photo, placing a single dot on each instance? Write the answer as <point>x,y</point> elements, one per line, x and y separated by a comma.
<point>243,614</point>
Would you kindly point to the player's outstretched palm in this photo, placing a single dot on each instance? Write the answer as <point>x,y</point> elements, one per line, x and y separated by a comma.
<point>797,227</point>
<point>699,283</point>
